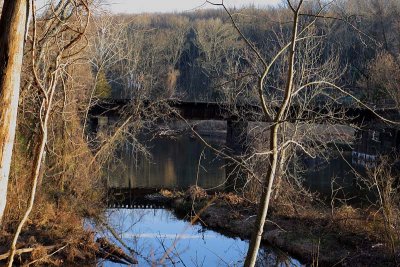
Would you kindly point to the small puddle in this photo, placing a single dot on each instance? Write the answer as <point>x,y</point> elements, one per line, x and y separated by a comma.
<point>162,239</point>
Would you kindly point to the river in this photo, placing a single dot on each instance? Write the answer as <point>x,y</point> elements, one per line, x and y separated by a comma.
<point>161,239</point>
<point>182,161</point>
<point>178,163</point>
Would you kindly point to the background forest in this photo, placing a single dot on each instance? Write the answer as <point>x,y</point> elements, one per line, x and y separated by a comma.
<point>199,55</point>
<point>76,55</point>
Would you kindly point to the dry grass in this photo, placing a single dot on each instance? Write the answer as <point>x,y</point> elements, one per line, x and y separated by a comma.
<point>232,199</point>
<point>69,192</point>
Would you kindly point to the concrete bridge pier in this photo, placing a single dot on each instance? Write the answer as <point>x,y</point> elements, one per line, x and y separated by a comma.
<point>236,141</point>
<point>373,142</point>
<point>97,124</point>
<point>93,125</point>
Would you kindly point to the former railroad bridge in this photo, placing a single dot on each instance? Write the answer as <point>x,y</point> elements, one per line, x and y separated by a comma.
<point>374,138</point>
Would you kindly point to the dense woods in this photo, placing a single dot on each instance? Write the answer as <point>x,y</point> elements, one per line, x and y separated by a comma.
<point>200,56</point>
<point>299,54</point>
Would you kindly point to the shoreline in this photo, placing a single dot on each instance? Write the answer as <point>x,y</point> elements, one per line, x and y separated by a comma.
<point>309,240</point>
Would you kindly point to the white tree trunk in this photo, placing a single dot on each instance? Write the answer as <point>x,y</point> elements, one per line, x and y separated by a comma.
<point>12,34</point>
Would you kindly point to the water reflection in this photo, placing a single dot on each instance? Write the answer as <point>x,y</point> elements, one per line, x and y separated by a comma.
<point>174,163</point>
<point>320,173</point>
<point>337,178</point>
<point>153,233</point>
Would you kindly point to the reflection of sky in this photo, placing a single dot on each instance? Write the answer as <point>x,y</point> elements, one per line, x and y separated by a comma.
<point>153,231</point>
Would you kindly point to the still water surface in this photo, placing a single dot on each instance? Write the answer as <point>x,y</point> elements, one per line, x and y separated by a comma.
<point>179,163</point>
<point>174,163</point>
<point>153,232</point>
<point>184,161</point>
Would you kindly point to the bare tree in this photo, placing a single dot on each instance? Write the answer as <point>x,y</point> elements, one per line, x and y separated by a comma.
<point>46,80</point>
<point>297,80</point>
<point>383,80</point>
<point>274,139</point>
<point>13,25</point>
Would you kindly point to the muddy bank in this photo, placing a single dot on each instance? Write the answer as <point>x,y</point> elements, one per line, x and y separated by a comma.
<point>311,238</point>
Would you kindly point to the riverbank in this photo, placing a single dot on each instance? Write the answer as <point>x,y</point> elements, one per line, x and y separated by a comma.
<point>346,237</point>
<point>67,244</point>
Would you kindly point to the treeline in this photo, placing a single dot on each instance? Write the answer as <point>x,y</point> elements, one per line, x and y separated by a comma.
<point>200,56</point>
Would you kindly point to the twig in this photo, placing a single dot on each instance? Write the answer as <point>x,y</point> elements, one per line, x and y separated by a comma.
<point>22,251</point>
<point>46,256</point>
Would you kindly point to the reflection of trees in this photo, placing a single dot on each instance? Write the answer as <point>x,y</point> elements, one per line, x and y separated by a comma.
<point>271,257</point>
<point>173,163</point>
<point>169,172</point>
<point>150,233</point>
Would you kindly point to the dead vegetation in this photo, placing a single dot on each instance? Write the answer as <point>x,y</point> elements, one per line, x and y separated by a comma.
<point>303,228</point>
<point>52,189</point>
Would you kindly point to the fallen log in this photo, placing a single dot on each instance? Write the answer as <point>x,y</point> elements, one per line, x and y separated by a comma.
<point>113,252</point>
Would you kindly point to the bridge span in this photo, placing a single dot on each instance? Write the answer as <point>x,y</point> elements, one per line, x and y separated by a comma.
<point>191,110</point>
<point>373,139</point>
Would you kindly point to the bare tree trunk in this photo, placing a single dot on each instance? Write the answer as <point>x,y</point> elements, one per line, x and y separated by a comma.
<point>281,171</point>
<point>252,253</point>
<point>12,33</point>
<point>36,171</point>
<point>47,89</point>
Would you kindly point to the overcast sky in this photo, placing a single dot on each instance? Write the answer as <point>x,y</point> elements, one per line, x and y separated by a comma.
<point>139,6</point>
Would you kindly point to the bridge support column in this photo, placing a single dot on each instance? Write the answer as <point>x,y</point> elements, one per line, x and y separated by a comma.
<point>236,141</point>
<point>373,142</point>
<point>93,125</point>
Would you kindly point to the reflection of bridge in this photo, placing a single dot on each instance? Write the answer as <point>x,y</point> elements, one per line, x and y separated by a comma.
<point>130,198</point>
<point>133,205</point>
<point>377,140</point>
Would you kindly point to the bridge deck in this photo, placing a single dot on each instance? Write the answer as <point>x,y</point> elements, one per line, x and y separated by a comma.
<point>248,112</point>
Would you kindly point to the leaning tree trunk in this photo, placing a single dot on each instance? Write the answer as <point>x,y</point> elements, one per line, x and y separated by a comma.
<point>255,241</point>
<point>12,33</point>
